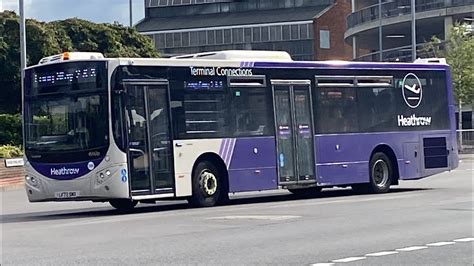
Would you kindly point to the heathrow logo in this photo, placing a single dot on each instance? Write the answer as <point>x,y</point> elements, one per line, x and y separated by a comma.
<point>412,90</point>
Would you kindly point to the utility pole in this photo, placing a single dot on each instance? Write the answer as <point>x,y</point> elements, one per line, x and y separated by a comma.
<point>131,12</point>
<point>413,30</point>
<point>22,55</point>
<point>380,32</point>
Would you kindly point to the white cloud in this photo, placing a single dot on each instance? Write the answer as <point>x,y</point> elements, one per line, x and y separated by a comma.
<point>93,10</point>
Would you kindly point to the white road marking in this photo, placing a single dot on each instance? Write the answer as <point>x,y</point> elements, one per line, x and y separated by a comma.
<point>322,264</point>
<point>412,248</point>
<point>256,217</point>
<point>382,253</point>
<point>350,259</point>
<point>469,239</point>
<point>440,244</point>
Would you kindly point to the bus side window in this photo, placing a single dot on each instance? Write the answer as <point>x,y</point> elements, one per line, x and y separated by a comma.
<point>337,110</point>
<point>252,112</point>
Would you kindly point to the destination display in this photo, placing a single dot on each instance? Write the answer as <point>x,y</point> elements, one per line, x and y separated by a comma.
<point>199,85</point>
<point>64,77</point>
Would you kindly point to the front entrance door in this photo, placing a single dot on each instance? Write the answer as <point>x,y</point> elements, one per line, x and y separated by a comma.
<point>149,138</point>
<point>294,130</point>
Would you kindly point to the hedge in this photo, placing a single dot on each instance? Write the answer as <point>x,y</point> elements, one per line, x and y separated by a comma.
<point>10,129</point>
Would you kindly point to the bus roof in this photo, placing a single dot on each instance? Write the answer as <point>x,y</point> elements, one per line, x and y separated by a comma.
<point>245,59</point>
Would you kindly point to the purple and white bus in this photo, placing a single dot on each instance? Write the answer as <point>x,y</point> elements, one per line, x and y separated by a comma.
<point>202,126</point>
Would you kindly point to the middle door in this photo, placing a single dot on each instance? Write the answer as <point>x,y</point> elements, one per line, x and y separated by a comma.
<point>294,130</point>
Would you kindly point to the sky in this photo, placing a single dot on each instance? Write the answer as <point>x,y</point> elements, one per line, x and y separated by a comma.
<point>94,10</point>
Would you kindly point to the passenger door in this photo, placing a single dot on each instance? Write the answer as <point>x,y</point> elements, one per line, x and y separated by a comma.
<point>149,138</point>
<point>294,131</point>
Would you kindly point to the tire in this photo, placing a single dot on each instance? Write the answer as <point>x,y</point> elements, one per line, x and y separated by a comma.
<point>208,186</point>
<point>305,192</point>
<point>123,205</point>
<point>381,175</point>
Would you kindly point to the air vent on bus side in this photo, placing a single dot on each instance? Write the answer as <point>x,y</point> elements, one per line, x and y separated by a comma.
<point>435,152</point>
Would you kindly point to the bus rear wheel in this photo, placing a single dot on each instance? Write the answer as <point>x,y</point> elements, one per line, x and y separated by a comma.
<point>207,185</point>
<point>123,204</point>
<point>381,175</point>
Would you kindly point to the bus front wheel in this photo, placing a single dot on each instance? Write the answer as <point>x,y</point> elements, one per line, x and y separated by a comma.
<point>207,185</point>
<point>123,204</point>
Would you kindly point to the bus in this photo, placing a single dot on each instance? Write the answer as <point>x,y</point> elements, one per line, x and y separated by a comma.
<point>203,126</point>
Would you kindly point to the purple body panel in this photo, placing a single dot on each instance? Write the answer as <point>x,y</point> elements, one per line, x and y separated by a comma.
<point>344,159</point>
<point>340,158</point>
<point>253,165</point>
<point>252,179</point>
<point>66,171</point>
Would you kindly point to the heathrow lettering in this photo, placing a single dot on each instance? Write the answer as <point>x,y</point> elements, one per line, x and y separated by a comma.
<point>414,121</point>
<point>219,71</point>
<point>64,171</point>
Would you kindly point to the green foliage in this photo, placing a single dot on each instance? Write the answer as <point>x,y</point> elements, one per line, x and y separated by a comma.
<point>45,39</point>
<point>9,151</point>
<point>458,50</point>
<point>10,129</point>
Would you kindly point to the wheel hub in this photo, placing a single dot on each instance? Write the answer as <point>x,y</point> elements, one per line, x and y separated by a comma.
<point>208,183</point>
<point>380,173</point>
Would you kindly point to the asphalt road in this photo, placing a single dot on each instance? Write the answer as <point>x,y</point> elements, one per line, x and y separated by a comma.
<point>424,222</point>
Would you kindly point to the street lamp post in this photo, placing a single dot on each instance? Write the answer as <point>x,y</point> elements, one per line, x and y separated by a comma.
<point>380,32</point>
<point>22,53</point>
<point>413,31</point>
<point>131,12</point>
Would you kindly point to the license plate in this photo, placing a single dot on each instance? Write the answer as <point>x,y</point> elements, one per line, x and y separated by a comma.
<point>66,194</point>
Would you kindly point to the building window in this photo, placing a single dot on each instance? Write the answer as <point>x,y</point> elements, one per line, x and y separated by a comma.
<point>256,34</point>
<point>237,35</point>
<point>202,38</point>
<point>211,37</point>
<point>286,32</point>
<point>295,32</point>
<point>219,36</point>
<point>248,35</point>
<point>185,39</point>
<point>304,29</point>
<point>169,40</point>
<point>265,34</point>
<point>227,36</point>
<point>324,41</point>
<point>177,39</point>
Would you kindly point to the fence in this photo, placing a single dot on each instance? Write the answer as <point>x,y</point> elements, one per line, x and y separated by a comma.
<point>466,139</point>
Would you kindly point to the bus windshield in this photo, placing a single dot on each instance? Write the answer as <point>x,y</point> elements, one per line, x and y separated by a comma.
<point>66,108</point>
<point>66,123</point>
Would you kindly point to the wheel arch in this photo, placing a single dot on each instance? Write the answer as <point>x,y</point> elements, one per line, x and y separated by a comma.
<point>387,150</point>
<point>217,161</point>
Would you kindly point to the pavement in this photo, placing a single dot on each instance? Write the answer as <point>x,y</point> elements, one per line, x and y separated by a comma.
<point>423,222</point>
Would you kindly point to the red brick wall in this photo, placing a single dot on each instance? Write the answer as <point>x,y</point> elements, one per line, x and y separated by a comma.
<point>334,20</point>
<point>10,172</point>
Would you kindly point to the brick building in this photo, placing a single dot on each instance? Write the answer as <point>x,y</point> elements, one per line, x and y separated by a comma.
<point>191,26</point>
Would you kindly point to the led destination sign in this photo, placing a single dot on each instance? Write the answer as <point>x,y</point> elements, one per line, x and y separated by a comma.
<point>65,77</point>
<point>220,71</point>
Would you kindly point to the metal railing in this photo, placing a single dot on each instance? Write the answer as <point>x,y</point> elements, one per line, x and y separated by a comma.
<point>398,54</point>
<point>465,139</point>
<point>398,8</point>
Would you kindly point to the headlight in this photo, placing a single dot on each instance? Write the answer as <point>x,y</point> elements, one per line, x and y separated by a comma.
<point>32,180</point>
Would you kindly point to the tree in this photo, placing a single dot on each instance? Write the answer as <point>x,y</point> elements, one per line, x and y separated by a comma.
<point>458,49</point>
<point>44,39</point>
